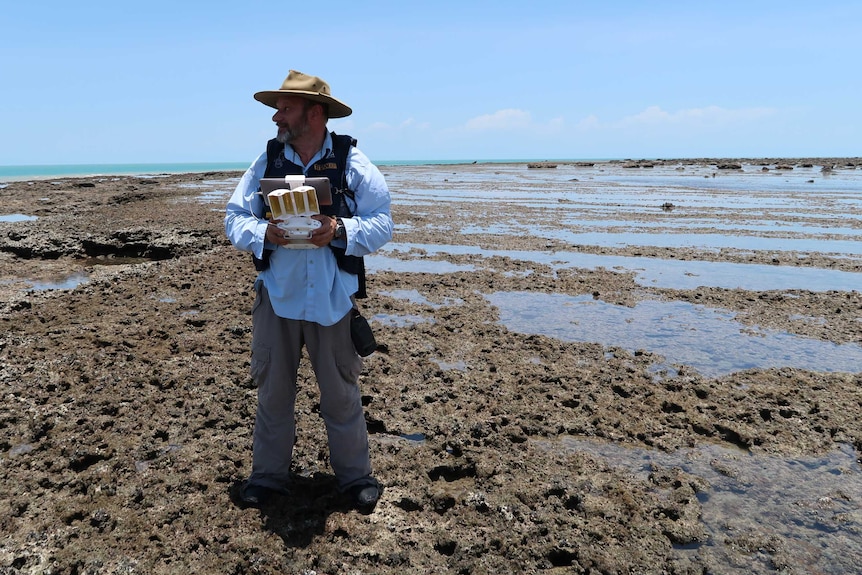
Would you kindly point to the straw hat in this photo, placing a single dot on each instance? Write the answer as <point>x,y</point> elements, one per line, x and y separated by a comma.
<point>310,87</point>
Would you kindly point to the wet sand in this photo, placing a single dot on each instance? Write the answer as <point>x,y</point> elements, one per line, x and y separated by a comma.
<point>127,406</point>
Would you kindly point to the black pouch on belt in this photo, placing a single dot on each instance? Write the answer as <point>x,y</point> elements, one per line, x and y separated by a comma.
<point>360,332</point>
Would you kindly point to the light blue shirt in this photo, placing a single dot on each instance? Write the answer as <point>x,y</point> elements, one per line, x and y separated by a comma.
<point>307,284</point>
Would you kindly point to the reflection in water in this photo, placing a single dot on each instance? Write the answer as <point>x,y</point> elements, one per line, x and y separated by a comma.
<point>70,282</point>
<point>813,505</point>
<point>705,241</point>
<point>17,218</point>
<point>415,297</point>
<point>213,191</point>
<point>376,262</point>
<point>770,228</point>
<point>400,320</point>
<point>708,340</point>
<point>651,272</point>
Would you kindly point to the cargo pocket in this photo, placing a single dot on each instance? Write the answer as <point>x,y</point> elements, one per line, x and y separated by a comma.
<point>348,362</point>
<point>258,287</point>
<point>259,364</point>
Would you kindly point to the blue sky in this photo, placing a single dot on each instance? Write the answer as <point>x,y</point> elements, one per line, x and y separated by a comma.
<point>172,81</point>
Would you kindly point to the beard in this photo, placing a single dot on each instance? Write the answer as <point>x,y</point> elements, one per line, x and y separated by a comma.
<point>288,134</point>
<point>284,137</point>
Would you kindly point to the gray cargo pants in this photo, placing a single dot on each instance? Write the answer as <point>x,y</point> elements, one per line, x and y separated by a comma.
<point>276,351</point>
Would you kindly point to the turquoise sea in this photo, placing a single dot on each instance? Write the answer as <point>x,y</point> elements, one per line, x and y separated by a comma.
<point>12,173</point>
<point>17,173</point>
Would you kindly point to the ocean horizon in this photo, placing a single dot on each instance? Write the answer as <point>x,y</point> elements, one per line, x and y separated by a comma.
<point>46,171</point>
<point>12,173</point>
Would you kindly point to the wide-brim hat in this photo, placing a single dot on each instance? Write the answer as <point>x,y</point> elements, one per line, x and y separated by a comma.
<point>305,86</point>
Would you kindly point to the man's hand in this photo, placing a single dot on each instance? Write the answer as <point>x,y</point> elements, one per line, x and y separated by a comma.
<point>325,233</point>
<point>274,234</point>
<point>319,237</point>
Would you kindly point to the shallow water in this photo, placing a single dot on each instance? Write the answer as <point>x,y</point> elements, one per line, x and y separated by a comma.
<point>706,241</point>
<point>810,502</point>
<point>671,175</point>
<point>415,297</point>
<point>787,213</point>
<point>670,206</point>
<point>706,339</point>
<point>17,218</point>
<point>653,272</point>
<point>774,228</point>
<point>213,191</point>
<point>67,283</point>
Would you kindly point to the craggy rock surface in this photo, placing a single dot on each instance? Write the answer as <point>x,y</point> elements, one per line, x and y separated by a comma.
<point>127,407</point>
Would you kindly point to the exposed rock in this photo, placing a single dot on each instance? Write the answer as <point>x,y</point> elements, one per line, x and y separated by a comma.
<point>128,408</point>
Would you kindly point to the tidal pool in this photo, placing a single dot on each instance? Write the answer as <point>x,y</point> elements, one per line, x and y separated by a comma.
<point>12,218</point>
<point>812,505</point>
<point>66,283</point>
<point>708,241</point>
<point>705,339</point>
<point>399,320</point>
<point>651,272</point>
<point>213,191</point>
<point>415,297</point>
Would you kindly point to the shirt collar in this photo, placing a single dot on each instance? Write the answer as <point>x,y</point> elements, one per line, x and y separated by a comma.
<point>324,152</point>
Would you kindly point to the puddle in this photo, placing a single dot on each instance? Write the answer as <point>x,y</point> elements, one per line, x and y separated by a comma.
<point>708,241</point>
<point>378,262</point>
<point>450,365</point>
<point>413,437</point>
<point>116,261</point>
<point>649,272</point>
<point>813,503</point>
<point>142,466</point>
<point>20,449</point>
<point>789,212</point>
<point>705,339</point>
<point>414,296</point>
<point>68,283</point>
<point>799,225</point>
<point>401,320</point>
<point>214,191</point>
<point>712,242</point>
<point>17,218</point>
<point>616,186</point>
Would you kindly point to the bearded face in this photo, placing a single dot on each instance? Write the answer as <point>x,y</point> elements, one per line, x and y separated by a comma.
<point>291,118</point>
<point>289,131</point>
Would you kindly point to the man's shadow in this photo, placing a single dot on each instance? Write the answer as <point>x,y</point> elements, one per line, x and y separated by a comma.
<point>300,515</point>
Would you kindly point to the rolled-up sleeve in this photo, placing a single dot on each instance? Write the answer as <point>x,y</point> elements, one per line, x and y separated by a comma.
<point>244,229</point>
<point>371,225</point>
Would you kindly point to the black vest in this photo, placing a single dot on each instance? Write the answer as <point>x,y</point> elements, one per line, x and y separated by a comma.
<point>334,167</point>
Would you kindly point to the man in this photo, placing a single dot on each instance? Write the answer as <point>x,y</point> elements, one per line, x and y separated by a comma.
<point>304,297</point>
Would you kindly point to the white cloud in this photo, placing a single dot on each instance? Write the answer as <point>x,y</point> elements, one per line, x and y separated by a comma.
<point>408,124</point>
<point>709,116</point>
<point>412,123</point>
<point>591,121</point>
<point>342,125</point>
<point>508,119</point>
<point>686,132</point>
<point>512,121</point>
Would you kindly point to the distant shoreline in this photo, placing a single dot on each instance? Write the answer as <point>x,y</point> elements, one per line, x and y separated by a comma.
<point>45,172</point>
